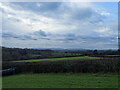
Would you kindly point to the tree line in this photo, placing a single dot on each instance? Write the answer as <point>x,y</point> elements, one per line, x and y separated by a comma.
<point>12,54</point>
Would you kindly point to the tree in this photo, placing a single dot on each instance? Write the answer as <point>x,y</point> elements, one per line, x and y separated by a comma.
<point>95,52</point>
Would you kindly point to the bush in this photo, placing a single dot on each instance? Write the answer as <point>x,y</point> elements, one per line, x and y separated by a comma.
<point>70,66</point>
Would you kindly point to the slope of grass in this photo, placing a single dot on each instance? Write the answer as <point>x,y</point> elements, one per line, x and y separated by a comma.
<point>34,55</point>
<point>64,54</point>
<point>65,58</point>
<point>112,55</point>
<point>61,81</point>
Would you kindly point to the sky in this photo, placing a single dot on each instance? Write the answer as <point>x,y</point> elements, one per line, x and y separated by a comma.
<point>66,25</point>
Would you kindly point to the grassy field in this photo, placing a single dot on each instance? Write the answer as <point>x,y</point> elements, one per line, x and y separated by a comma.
<point>33,55</point>
<point>64,54</point>
<point>65,58</point>
<point>57,54</point>
<point>112,55</point>
<point>61,81</point>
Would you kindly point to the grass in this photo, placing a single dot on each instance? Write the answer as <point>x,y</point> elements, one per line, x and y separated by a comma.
<point>65,58</point>
<point>112,55</point>
<point>33,55</point>
<point>57,54</point>
<point>61,81</point>
<point>64,54</point>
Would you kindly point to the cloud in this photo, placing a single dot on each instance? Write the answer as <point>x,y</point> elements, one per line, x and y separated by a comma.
<point>40,33</point>
<point>39,6</point>
<point>37,35</point>
<point>9,35</point>
<point>67,37</point>
<point>42,8</point>
<point>59,24</point>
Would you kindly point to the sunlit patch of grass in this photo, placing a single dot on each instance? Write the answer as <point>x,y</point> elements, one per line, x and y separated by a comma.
<point>65,58</point>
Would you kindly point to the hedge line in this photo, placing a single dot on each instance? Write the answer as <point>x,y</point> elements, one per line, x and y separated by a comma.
<point>67,66</point>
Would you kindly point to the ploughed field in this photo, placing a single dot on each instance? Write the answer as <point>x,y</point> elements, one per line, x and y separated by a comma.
<point>64,58</point>
<point>61,80</point>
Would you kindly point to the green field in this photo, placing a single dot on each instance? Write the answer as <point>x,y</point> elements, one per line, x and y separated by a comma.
<point>61,81</point>
<point>64,54</point>
<point>56,54</point>
<point>33,55</point>
<point>112,55</point>
<point>65,58</point>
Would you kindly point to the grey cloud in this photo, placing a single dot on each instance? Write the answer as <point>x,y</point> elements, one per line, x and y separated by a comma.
<point>78,14</point>
<point>20,37</point>
<point>70,37</point>
<point>75,37</point>
<point>99,39</point>
<point>63,11</point>
<point>85,20</point>
<point>46,38</point>
<point>7,35</point>
<point>40,33</point>
<point>44,8</point>
<point>64,37</point>
<point>90,16</point>
<point>26,37</point>
<point>30,36</point>
<point>14,19</point>
<point>82,13</point>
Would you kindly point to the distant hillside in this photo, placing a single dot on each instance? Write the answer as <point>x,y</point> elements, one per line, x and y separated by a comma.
<point>12,54</point>
<point>9,54</point>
